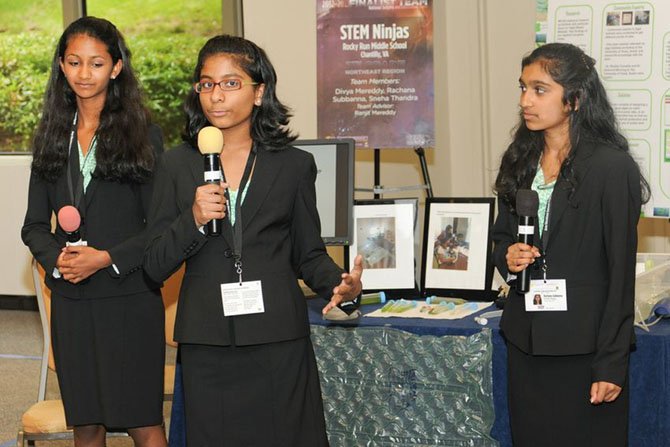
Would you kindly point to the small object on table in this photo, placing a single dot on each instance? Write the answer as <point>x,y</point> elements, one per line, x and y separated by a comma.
<point>442,307</point>
<point>373,298</point>
<point>398,306</point>
<point>444,299</point>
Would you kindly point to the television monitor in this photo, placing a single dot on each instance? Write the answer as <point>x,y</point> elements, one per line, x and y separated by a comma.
<point>334,187</point>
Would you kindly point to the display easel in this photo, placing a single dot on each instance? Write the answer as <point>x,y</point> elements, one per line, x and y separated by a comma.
<point>377,190</point>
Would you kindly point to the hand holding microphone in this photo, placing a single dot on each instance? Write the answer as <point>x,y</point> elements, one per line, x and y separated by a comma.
<point>210,203</point>
<point>78,261</point>
<point>70,221</point>
<point>523,253</point>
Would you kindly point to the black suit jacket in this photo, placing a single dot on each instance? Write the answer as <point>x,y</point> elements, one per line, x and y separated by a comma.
<point>281,243</point>
<point>592,244</point>
<point>113,219</point>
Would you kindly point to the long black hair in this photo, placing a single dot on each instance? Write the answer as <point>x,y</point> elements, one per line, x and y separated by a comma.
<point>269,120</point>
<point>123,152</point>
<point>591,117</point>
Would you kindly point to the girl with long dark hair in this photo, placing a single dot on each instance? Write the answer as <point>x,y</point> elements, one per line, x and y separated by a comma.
<point>249,371</point>
<point>94,150</point>
<point>568,359</point>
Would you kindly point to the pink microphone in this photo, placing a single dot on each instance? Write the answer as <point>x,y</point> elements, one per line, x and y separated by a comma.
<point>70,221</point>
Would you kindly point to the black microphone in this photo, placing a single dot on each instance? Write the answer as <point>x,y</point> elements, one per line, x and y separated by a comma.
<point>210,144</point>
<point>527,203</point>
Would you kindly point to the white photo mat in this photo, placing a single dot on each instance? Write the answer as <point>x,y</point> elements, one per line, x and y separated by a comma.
<point>384,236</point>
<point>457,245</point>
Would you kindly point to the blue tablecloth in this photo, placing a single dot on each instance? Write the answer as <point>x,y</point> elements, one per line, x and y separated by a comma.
<point>649,375</point>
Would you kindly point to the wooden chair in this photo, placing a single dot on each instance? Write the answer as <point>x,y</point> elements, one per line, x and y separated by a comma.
<point>170,292</point>
<point>45,419</point>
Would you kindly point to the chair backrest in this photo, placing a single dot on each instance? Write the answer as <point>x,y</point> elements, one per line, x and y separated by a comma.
<point>43,295</point>
<point>170,292</point>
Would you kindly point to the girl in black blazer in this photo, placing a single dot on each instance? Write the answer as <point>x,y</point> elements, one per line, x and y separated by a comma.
<point>250,375</point>
<point>568,358</point>
<point>94,150</point>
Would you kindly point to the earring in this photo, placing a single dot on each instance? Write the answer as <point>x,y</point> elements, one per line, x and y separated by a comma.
<point>257,102</point>
<point>113,76</point>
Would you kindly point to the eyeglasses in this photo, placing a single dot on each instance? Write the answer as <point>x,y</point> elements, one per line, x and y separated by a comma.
<point>227,85</point>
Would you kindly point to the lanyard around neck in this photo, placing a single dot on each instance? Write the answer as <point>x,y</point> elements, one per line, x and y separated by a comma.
<point>545,238</point>
<point>75,194</point>
<point>237,227</point>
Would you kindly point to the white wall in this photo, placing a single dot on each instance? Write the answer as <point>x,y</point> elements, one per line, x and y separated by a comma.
<point>15,259</point>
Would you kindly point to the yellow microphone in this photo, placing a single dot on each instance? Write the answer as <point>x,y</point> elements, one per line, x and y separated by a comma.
<point>210,144</point>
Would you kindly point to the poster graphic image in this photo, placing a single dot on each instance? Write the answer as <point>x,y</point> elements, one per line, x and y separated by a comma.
<point>452,245</point>
<point>613,19</point>
<point>376,242</point>
<point>375,72</point>
<point>642,17</point>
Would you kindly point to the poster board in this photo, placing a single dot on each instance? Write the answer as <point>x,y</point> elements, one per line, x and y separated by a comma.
<point>631,44</point>
<point>375,72</point>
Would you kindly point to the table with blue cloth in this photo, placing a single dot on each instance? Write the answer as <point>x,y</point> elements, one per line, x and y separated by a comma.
<point>649,374</point>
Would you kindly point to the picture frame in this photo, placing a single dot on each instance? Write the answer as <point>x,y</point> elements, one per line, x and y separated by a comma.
<point>457,259</point>
<point>385,235</point>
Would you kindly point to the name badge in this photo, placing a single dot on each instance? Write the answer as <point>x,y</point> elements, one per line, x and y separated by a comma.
<point>544,296</point>
<point>242,299</point>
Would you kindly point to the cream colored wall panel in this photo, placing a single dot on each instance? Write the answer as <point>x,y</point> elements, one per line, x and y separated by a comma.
<point>15,262</point>
<point>510,35</point>
<point>286,30</point>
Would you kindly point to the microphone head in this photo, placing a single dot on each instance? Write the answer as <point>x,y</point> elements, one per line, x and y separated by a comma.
<point>527,202</point>
<point>69,219</point>
<point>210,140</point>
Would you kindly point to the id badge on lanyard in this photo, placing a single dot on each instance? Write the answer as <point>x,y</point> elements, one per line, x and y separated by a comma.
<point>241,297</point>
<point>546,295</point>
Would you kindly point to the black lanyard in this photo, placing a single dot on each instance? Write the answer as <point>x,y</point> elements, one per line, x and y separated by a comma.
<point>237,227</point>
<point>73,157</point>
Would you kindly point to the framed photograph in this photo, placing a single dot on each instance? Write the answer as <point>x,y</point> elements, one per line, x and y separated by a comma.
<point>384,232</point>
<point>457,258</point>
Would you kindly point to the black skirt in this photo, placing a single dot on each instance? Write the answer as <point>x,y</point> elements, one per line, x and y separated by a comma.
<point>110,356</point>
<point>262,396</point>
<point>549,403</point>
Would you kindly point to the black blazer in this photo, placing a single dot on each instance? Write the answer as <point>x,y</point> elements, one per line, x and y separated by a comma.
<point>592,244</point>
<point>281,243</point>
<point>113,219</point>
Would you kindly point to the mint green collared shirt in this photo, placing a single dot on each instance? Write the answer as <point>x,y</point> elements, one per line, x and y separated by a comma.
<point>87,162</point>
<point>544,192</point>
<point>233,200</point>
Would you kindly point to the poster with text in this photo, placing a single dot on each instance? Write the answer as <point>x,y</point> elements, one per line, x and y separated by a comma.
<point>631,44</point>
<point>375,72</point>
